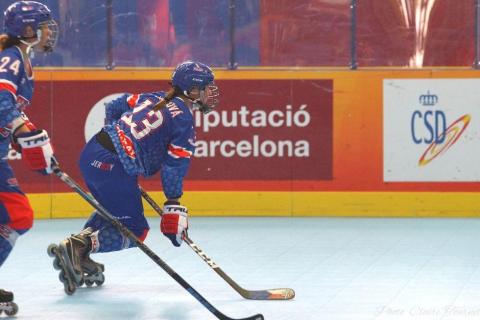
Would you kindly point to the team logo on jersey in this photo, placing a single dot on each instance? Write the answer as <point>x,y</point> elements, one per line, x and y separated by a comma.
<point>102,165</point>
<point>126,143</point>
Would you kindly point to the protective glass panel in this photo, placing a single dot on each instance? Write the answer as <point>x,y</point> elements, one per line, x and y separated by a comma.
<point>225,33</point>
<point>305,33</point>
<point>414,33</point>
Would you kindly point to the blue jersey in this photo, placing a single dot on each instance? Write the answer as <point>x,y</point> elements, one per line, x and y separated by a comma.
<point>16,90</point>
<point>148,141</point>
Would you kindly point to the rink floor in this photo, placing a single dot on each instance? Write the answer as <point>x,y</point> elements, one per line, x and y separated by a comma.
<point>340,268</point>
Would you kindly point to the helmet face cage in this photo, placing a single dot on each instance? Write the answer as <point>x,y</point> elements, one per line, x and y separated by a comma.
<point>22,15</point>
<point>190,75</point>
<point>52,36</point>
<point>209,98</point>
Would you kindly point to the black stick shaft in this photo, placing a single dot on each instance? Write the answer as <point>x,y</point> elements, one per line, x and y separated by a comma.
<point>126,232</point>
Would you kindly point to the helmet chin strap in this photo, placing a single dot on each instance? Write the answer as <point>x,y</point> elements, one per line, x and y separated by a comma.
<point>195,102</point>
<point>198,103</point>
<point>30,45</point>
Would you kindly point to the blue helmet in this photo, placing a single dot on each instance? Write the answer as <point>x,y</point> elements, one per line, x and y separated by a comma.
<point>23,14</point>
<point>191,74</point>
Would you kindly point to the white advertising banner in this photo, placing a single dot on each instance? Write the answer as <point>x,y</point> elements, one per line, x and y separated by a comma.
<point>431,130</point>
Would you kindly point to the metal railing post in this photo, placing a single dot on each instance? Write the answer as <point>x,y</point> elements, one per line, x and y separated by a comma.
<point>353,35</point>
<point>232,64</point>
<point>476,35</point>
<point>109,11</point>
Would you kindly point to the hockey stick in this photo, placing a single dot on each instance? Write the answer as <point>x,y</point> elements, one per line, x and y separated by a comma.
<point>270,294</point>
<point>126,232</point>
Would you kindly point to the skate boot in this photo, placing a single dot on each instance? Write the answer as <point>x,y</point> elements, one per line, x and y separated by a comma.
<point>67,258</point>
<point>92,270</point>
<point>7,304</point>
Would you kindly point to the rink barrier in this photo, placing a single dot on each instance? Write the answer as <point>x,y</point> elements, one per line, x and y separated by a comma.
<point>353,185</point>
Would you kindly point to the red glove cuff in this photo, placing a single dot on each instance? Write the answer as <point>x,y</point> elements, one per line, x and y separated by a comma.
<point>169,223</point>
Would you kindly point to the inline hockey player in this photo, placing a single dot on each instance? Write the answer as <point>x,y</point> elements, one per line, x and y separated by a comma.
<point>28,25</point>
<point>145,133</point>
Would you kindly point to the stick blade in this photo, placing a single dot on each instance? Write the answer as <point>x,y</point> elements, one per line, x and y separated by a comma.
<point>272,294</point>
<point>258,316</point>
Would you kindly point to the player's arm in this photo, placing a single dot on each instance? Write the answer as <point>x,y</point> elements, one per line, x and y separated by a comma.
<point>175,217</point>
<point>10,116</point>
<point>115,108</point>
<point>34,144</point>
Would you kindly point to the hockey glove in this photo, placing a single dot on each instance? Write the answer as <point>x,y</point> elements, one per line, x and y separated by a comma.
<point>17,124</point>
<point>37,151</point>
<point>174,222</point>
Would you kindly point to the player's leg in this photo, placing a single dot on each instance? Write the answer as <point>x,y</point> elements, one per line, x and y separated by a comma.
<point>119,194</point>
<point>72,254</point>
<point>16,218</point>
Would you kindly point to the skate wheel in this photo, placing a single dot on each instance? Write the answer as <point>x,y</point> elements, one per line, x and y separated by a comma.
<point>100,281</point>
<point>62,277</point>
<point>89,283</point>
<point>13,311</point>
<point>70,289</point>
<point>51,250</point>
<point>56,264</point>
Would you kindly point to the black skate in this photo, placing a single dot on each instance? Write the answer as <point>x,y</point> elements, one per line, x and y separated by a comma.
<point>72,257</point>
<point>92,271</point>
<point>6,303</point>
<point>59,263</point>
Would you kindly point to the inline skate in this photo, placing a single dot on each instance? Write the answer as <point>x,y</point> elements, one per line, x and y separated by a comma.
<point>72,258</point>
<point>6,303</point>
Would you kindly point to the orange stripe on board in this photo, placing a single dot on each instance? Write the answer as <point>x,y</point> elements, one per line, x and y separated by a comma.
<point>246,73</point>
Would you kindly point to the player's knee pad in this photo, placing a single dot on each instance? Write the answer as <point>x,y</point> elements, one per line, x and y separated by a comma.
<point>8,237</point>
<point>15,210</point>
<point>109,239</point>
<point>143,235</point>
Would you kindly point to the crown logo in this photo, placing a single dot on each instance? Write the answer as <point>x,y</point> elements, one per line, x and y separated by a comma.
<point>428,99</point>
